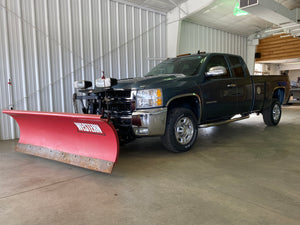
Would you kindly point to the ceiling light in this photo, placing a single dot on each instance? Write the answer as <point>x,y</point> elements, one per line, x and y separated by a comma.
<point>288,35</point>
<point>238,12</point>
<point>283,32</point>
<point>293,63</point>
<point>283,27</point>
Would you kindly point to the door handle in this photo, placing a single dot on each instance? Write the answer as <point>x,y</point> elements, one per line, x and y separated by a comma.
<point>231,85</point>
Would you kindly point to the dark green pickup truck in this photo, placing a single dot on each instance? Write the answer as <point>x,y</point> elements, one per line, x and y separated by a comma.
<point>182,94</point>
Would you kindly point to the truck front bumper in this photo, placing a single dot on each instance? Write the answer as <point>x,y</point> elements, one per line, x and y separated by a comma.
<point>149,122</point>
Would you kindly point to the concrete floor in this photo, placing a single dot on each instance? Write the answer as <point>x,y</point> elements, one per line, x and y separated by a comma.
<point>240,173</point>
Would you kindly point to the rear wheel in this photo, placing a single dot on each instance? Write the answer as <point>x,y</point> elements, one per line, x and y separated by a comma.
<point>181,130</point>
<point>272,114</point>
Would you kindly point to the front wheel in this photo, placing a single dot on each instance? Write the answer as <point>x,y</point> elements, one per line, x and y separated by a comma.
<point>181,130</point>
<point>272,114</point>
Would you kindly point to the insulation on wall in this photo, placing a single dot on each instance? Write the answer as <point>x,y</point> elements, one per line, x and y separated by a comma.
<point>194,37</point>
<point>47,44</point>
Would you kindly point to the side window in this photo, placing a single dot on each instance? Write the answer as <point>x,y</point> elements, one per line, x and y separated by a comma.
<point>218,60</point>
<point>236,66</point>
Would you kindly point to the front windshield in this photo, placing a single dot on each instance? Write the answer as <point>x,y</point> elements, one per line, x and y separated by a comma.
<point>181,65</point>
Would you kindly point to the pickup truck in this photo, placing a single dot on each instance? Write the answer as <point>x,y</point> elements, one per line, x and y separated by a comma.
<point>182,94</point>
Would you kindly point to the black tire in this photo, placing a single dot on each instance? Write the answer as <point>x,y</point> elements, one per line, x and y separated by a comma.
<point>272,114</point>
<point>181,130</point>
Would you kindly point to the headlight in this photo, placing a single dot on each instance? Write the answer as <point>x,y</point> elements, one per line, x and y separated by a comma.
<point>82,84</point>
<point>149,98</point>
<point>106,82</point>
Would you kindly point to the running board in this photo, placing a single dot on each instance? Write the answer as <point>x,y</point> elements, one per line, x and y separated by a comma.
<point>223,122</point>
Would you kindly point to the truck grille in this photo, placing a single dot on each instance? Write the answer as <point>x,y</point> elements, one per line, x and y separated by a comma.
<point>118,93</point>
<point>120,107</point>
<point>119,103</point>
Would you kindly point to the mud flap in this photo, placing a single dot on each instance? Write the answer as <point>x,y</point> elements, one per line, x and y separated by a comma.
<point>79,139</point>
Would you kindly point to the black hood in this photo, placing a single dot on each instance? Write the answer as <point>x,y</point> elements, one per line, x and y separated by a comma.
<point>149,82</point>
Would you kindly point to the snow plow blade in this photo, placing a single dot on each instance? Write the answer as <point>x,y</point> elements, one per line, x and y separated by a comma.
<point>78,139</point>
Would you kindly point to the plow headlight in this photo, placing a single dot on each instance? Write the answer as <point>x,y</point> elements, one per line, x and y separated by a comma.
<point>82,84</point>
<point>149,98</point>
<point>103,82</point>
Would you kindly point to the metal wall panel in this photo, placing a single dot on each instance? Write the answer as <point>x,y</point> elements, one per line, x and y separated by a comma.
<point>194,37</point>
<point>47,44</point>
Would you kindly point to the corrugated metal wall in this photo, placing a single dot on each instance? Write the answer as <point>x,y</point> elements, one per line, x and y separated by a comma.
<point>194,37</point>
<point>47,44</point>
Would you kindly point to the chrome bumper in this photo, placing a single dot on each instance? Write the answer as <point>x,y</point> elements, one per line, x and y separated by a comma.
<point>149,122</point>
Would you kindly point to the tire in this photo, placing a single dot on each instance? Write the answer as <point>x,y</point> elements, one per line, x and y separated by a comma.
<point>181,130</point>
<point>272,114</point>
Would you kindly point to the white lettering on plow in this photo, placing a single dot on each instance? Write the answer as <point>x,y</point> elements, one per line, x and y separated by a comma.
<point>89,128</point>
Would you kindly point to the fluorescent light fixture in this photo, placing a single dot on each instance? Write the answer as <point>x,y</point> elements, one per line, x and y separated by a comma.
<point>288,35</point>
<point>283,32</point>
<point>238,12</point>
<point>284,27</point>
<point>293,63</point>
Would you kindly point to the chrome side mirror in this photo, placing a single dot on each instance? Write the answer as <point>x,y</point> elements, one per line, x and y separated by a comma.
<point>216,71</point>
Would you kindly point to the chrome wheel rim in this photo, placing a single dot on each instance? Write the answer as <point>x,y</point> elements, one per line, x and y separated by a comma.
<point>276,112</point>
<point>184,130</point>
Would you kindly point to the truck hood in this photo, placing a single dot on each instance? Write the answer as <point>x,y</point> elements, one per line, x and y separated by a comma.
<point>156,81</point>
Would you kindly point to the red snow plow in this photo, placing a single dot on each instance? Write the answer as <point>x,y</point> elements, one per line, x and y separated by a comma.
<point>83,140</point>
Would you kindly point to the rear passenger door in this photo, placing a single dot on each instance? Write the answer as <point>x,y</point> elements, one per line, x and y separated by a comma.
<point>244,92</point>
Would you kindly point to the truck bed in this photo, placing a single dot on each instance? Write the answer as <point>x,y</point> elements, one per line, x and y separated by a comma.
<point>265,86</point>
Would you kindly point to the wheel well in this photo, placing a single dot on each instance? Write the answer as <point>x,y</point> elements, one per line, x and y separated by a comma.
<point>190,102</point>
<point>279,94</point>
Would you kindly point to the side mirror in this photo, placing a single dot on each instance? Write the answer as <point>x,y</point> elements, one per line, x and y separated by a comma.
<point>216,71</point>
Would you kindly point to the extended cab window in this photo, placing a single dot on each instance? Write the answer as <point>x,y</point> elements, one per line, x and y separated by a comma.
<point>236,66</point>
<point>181,65</point>
<point>218,60</point>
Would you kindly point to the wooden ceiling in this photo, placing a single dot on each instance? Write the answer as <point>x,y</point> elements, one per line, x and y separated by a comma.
<point>278,47</point>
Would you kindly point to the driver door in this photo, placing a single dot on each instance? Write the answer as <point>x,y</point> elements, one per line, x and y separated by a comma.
<point>218,91</point>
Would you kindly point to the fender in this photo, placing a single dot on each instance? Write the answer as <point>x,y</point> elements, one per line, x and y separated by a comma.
<point>199,109</point>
